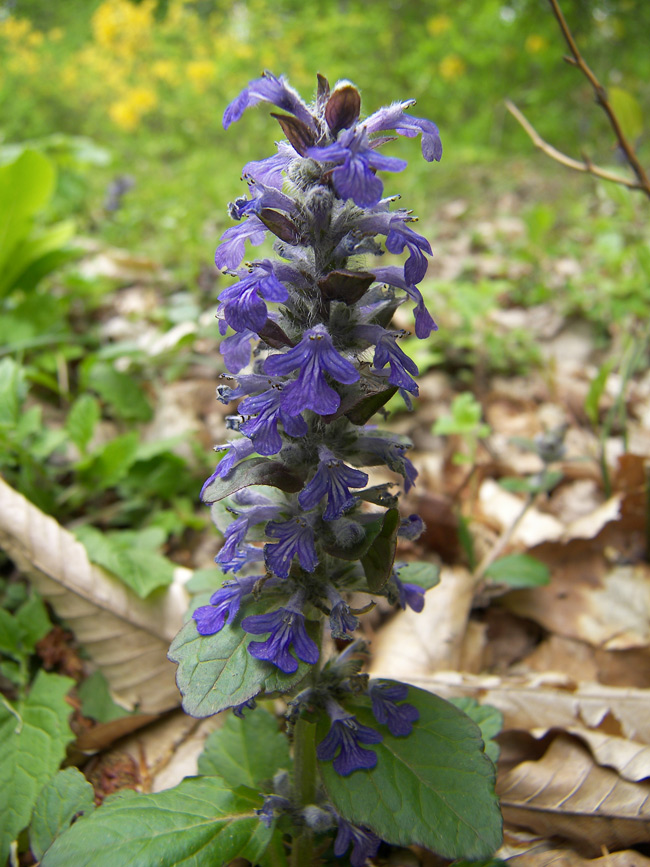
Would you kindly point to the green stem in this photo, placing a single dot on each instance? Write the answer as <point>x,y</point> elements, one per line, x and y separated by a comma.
<point>304,776</point>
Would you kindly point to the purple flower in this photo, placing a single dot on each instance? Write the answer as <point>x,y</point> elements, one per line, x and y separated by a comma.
<point>411,528</point>
<point>247,383</point>
<point>243,556</point>
<point>398,718</point>
<point>260,508</point>
<point>239,709</point>
<point>262,196</point>
<point>242,302</point>
<point>400,236</point>
<point>333,479</point>
<point>237,451</point>
<point>269,171</point>
<point>224,605</point>
<point>393,117</point>
<point>232,247</point>
<point>268,410</point>
<point>268,88</point>
<point>342,620</point>
<point>236,350</point>
<point>273,805</point>
<point>391,452</point>
<point>357,163</point>
<point>344,737</point>
<point>287,627</point>
<point>388,352</point>
<point>314,355</point>
<point>364,843</point>
<point>424,323</point>
<point>409,594</point>
<point>296,538</point>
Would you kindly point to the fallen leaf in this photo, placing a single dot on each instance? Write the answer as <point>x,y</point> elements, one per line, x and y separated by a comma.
<point>125,636</point>
<point>547,700</point>
<point>566,794</point>
<point>433,639</point>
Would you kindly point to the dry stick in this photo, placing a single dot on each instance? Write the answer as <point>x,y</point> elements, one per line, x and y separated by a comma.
<point>601,98</point>
<point>559,157</point>
<point>643,182</point>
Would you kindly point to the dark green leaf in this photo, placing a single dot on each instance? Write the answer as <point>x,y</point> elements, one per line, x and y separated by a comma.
<point>129,557</point>
<point>82,419</point>
<point>121,391</point>
<point>518,570</point>
<point>34,622</point>
<point>110,464</point>
<point>256,471</point>
<point>247,751</point>
<point>434,788</point>
<point>198,822</point>
<point>32,745</point>
<point>66,795</point>
<point>366,407</point>
<point>96,700</point>
<point>378,561</point>
<point>425,575</point>
<point>489,719</point>
<point>216,672</point>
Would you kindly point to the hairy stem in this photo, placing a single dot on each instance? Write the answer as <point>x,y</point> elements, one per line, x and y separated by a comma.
<point>304,770</point>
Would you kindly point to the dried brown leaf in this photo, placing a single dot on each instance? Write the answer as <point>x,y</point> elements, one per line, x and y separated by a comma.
<point>566,794</point>
<point>125,636</point>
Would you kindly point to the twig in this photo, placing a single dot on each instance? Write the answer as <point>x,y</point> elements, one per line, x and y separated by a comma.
<point>642,181</point>
<point>565,160</point>
<point>601,99</point>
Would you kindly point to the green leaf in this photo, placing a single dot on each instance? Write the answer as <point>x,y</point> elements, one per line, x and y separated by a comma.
<point>489,719</point>
<point>96,700</point>
<point>596,390</point>
<point>434,788</point>
<point>20,632</point>
<point>66,795</point>
<point>82,419</point>
<point>246,752</point>
<point>10,635</point>
<point>33,621</point>
<point>465,418</point>
<point>216,672</point>
<point>378,561</point>
<point>110,464</point>
<point>519,570</point>
<point>628,111</point>
<point>129,557</point>
<point>198,822</point>
<point>121,391</point>
<point>26,185</point>
<point>32,745</point>
<point>256,471</point>
<point>12,391</point>
<point>537,484</point>
<point>35,256</point>
<point>425,575</point>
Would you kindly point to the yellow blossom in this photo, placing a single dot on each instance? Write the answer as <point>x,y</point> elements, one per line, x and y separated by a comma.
<point>438,24</point>
<point>15,29</point>
<point>535,44</point>
<point>128,111</point>
<point>122,26</point>
<point>452,66</point>
<point>55,34</point>
<point>165,70</point>
<point>200,73</point>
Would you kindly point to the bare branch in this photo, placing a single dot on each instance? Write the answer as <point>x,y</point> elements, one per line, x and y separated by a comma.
<point>601,97</point>
<point>586,166</point>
